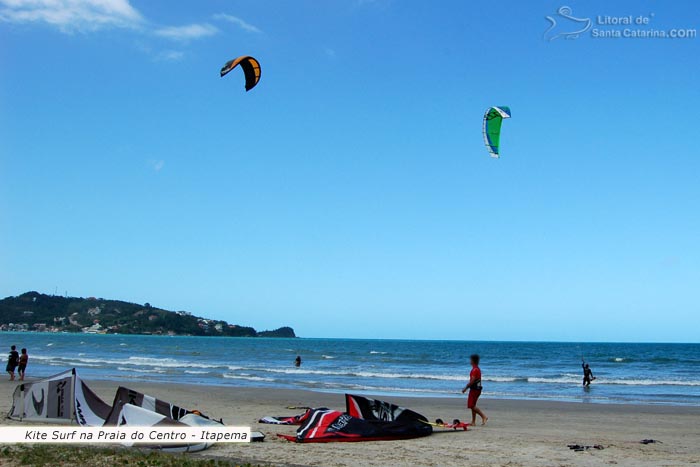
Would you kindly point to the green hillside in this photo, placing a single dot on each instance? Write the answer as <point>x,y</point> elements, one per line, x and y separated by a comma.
<point>33,311</point>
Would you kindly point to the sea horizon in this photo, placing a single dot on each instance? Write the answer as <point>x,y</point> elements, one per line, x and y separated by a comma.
<point>397,339</point>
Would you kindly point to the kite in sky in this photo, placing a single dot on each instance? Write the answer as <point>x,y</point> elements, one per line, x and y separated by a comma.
<point>251,69</point>
<point>492,128</point>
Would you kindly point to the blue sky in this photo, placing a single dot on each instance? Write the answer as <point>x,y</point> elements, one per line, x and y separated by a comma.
<point>349,194</point>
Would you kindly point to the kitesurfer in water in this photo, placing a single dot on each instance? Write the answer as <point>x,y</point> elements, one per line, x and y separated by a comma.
<point>297,361</point>
<point>587,374</point>
<point>475,388</point>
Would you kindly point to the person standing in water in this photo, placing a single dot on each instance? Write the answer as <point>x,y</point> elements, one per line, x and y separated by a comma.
<point>23,360</point>
<point>12,362</point>
<point>297,361</point>
<point>475,388</point>
<point>587,374</point>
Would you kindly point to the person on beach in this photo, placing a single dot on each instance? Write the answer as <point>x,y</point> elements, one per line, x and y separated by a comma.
<point>297,361</point>
<point>475,388</point>
<point>587,373</point>
<point>23,360</point>
<point>12,362</point>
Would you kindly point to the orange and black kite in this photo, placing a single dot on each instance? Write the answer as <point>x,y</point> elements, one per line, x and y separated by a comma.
<point>251,69</point>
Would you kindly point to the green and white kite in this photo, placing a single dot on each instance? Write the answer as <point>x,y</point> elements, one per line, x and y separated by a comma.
<point>492,128</point>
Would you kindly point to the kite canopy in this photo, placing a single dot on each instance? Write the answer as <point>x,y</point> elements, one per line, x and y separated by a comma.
<point>65,398</point>
<point>372,409</point>
<point>251,69</point>
<point>126,396</point>
<point>492,128</point>
<point>324,426</point>
<point>47,400</point>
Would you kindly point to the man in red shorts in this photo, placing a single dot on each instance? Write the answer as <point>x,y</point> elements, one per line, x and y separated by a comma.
<point>474,387</point>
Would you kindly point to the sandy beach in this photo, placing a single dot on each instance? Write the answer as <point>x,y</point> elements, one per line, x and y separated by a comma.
<point>519,433</point>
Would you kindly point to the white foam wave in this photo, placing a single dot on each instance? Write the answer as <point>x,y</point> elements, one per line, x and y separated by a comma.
<point>623,382</point>
<point>137,370</point>
<point>248,378</point>
<point>648,382</point>
<point>360,374</point>
<point>134,361</point>
<point>555,380</point>
<point>376,352</point>
<point>166,362</point>
<point>63,364</point>
<point>501,379</point>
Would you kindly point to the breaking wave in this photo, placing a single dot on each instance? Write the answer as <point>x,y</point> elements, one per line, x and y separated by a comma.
<point>603,381</point>
<point>248,378</point>
<point>132,361</point>
<point>137,370</point>
<point>360,374</point>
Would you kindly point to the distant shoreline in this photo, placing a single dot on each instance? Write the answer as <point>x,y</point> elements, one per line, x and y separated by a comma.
<point>377,339</point>
<point>34,311</point>
<point>74,333</point>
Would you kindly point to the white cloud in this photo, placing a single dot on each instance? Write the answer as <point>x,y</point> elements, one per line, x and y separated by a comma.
<point>72,15</point>
<point>238,22</point>
<point>157,165</point>
<point>187,32</point>
<point>170,56</point>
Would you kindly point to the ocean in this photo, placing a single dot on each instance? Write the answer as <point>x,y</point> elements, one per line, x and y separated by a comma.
<point>626,373</point>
